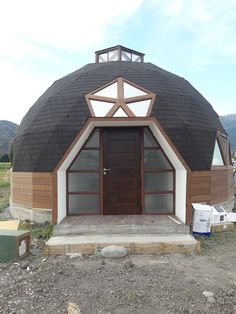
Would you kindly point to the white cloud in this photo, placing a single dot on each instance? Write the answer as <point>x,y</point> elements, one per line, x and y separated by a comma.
<point>209,27</point>
<point>41,32</point>
<point>72,25</point>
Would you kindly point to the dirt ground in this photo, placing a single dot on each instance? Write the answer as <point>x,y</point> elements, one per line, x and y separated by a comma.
<point>135,284</point>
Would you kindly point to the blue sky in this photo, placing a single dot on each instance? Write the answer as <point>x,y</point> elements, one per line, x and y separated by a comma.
<point>44,40</point>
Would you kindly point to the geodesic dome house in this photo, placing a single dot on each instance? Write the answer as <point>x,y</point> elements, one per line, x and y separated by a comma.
<point>119,137</point>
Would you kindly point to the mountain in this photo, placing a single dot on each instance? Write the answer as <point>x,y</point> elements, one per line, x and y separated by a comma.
<point>229,123</point>
<point>7,133</point>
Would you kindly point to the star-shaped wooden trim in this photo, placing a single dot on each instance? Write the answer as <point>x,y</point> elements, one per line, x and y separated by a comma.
<point>120,101</point>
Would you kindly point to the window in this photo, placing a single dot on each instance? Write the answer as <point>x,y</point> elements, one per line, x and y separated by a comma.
<point>217,157</point>
<point>225,148</point>
<point>120,98</point>
<point>83,179</point>
<point>119,53</point>
<point>159,178</point>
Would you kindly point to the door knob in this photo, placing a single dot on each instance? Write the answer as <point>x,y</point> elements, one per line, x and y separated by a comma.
<point>105,170</point>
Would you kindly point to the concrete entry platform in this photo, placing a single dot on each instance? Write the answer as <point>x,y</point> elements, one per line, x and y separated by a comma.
<point>120,224</point>
<point>149,244</point>
<point>139,234</point>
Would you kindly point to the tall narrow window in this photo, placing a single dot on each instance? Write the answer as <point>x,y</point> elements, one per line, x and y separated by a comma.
<point>159,176</point>
<point>217,156</point>
<point>225,148</point>
<point>83,179</point>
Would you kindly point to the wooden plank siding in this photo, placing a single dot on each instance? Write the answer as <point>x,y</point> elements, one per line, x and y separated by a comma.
<point>212,187</point>
<point>32,190</point>
<point>21,191</point>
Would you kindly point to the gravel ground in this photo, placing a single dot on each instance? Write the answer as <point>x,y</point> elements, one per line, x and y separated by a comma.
<point>134,284</point>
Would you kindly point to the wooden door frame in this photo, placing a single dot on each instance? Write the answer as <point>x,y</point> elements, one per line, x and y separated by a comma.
<point>184,174</point>
<point>101,178</point>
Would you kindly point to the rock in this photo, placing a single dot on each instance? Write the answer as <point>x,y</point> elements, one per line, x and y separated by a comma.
<point>220,300</point>
<point>230,293</point>
<point>73,308</point>
<point>114,251</point>
<point>128,264</point>
<point>211,300</point>
<point>74,255</point>
<point>208,294</point>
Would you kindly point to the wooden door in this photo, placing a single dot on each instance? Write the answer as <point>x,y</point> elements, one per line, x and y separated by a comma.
<point>122,179</point>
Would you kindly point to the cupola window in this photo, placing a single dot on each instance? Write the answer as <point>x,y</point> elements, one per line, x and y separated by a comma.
<point>118,53</point>
<point>120,98</point>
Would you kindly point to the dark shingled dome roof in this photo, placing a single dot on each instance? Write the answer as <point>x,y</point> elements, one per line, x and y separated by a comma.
<point>53,122</point>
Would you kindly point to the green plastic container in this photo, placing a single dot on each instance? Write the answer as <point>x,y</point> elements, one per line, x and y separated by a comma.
<point>14,245</point>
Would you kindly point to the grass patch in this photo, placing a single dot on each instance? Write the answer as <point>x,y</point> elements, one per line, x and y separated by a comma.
<point>5,165</point>
<point>4,184</point>
<point>215,240</point>
<point>41,232</point>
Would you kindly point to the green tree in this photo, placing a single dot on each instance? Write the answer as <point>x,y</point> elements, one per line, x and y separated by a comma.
<point>5,158</point>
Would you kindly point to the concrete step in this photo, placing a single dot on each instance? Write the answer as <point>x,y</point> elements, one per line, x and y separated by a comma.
<point>119,225</point>
<point>145,243</point>
<point>128,228</point>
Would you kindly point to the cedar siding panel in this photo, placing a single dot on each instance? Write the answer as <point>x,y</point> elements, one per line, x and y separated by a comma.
<point>212,187</point>
<point>32,189</point>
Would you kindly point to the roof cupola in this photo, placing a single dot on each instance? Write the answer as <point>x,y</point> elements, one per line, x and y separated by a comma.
<point>118,53</point>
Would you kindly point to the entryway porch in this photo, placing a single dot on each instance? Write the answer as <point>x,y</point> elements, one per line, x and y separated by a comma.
<point>138,233</point>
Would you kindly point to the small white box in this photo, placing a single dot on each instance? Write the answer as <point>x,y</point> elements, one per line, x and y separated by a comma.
<point>219,215</point>
<point>202,219</point>
<point>231,217</point>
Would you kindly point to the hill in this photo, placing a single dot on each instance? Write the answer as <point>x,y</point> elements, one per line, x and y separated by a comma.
<point>229,123</point>
<point>7,133</point>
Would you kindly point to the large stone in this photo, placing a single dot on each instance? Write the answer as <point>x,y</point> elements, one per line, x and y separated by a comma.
<point>211,300</point>
<point>73,308</point>
<point>208,294</point>
<point>114,251</point>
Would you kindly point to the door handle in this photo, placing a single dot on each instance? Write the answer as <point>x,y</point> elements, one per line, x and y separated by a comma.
<point>105,170</point>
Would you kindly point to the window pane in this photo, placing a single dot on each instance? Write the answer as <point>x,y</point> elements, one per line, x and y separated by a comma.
<point>93,141</point>
<point>140,108</point>
<point>158,181</point>
<point>125,56</point>
<point>136,58</point>
<point>130,91</point>
<point>224,144</point>
<point>83,204</point>
<point>149,140</point>
<point>83,182</point>
<point>102,57</point>
<point>87,159</point>
<point>109,91</point>
<point>113,55</point>
<point>101,108</point>
<point>217,158</point>
<point>154,159</point>
<point>120,113</point>
<point>159,203</point>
